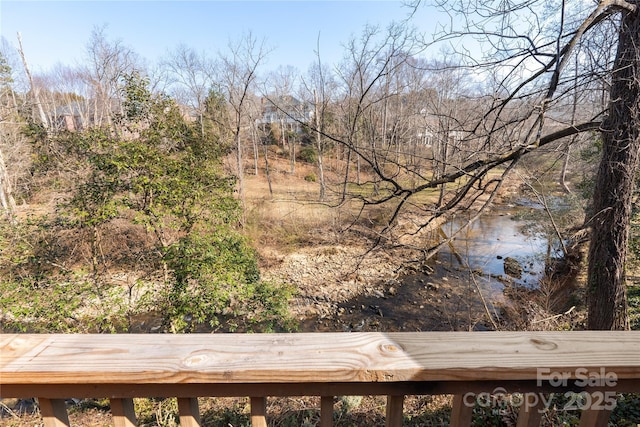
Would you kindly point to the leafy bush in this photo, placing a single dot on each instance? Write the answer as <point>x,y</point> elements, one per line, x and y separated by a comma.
<point>308,154</point>
<point>68,307</point>
<point>160,183</point>
<point>210,272</point>
<point>216,278</point>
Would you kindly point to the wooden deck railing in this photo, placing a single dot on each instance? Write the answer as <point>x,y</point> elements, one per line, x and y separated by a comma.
<point>121,367</point>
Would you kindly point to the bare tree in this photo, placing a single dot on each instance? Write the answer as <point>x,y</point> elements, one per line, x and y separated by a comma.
<point>541,81</point>
<point>528,75</point>
<point>35,93</point>
<point>280,96</point>
<point>368,63</point>
<point>318,113</point>
<point>6,189</point>
<point>107,63</point>
<point>12,141</point>
<point>6,192</point>
<point>189,78</point>
<point>530,66</point>
<point>66,97</point>
<point>238,74</point>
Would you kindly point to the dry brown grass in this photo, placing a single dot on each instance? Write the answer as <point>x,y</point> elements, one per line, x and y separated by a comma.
<point>349,411</point>
<point>293,216</point>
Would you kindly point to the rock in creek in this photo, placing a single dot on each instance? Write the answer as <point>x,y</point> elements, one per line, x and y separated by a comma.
<point>512,267</point>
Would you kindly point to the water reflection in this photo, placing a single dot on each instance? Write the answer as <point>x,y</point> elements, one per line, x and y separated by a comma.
<point>486,243</point>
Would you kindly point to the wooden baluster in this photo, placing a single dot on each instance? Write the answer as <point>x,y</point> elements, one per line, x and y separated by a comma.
<point>189,412</point>
<point>394,411</point>
<point>258,412</point>
<point>123,413</point>
<point>531,411</point>
<point>462,412</point>
<point>54,412</point>
<point>326,411</point>
<point>595,418</point>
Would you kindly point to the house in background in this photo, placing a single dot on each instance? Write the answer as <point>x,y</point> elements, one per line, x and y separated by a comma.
<point>287,111</point>
<point>71,117</point>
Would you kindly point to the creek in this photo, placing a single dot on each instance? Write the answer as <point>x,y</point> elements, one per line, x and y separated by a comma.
<point>445,295</point>
<point>490,243</point>
<point>466,274</point>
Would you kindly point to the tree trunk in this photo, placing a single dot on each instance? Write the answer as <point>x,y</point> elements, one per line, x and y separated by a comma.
<point>42,117</point>
<point>239,165</point>
<point>266,169</point>
<point>292,154</point>
<point>606,293</point>
<point>565,166</point>
<point>256,156</point>
<point>574,110</point>
<point>346,175</point>
<point>319,148</point>
<point>6,193</point>
<point>358,167</point>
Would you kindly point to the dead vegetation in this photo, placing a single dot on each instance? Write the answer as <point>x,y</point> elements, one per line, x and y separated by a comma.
<point>341,285</point>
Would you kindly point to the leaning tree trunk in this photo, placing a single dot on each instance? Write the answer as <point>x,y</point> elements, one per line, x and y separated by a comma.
<point>34,91</point>
<point>606,293</point>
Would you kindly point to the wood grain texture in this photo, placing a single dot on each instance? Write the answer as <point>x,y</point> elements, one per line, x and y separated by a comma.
<point>461,412</point>
<point>189,412</point>
<point>54,412</point>
<point>531,410</point>
<point>326,411</point>
<point>312,357</point>
<point>258,411</point>
<point>594,418</point>
<point>123,413</point>
<point>394,411</point>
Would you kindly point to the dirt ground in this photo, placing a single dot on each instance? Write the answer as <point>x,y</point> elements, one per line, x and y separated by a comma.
<point>344,283</point>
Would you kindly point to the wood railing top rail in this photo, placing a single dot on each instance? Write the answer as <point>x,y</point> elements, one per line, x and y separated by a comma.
<point>312,357</point>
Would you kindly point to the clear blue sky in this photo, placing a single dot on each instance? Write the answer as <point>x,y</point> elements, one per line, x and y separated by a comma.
<point>58,31</point>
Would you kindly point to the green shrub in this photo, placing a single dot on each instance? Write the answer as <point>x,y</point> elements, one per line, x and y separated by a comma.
<point>308,154</point>
<point>60,307</point>
<point>216,278</point>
